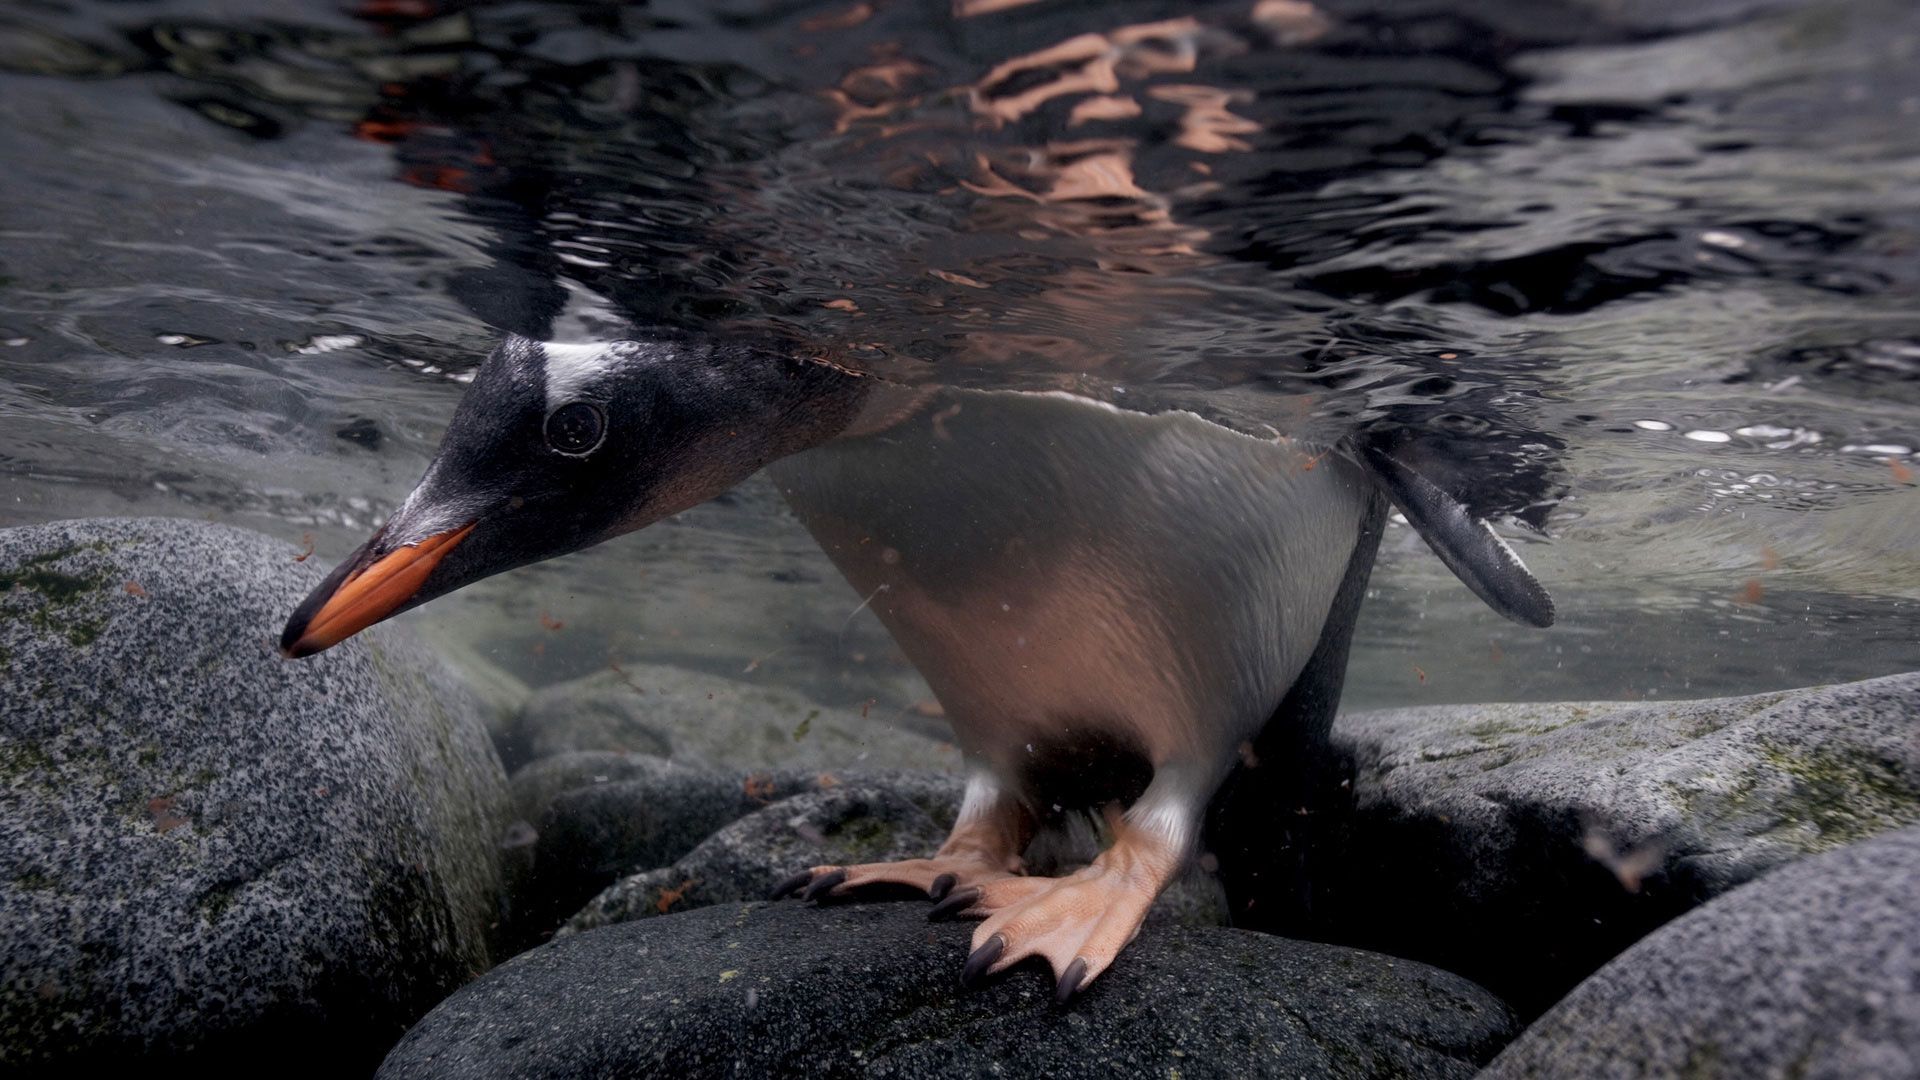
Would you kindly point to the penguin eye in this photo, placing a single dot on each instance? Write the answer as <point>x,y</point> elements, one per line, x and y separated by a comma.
<point>576,428</point>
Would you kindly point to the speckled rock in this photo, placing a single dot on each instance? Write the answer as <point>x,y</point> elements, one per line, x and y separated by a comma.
<point>838,826</point>
<point>538,786</point>
<point>877,818</point>
<point>207,850</point>
<point>592,817</point>
<point>702,719</point>
<point>872,990</point>
<point>1525,845</point>
<point>1810,973</point>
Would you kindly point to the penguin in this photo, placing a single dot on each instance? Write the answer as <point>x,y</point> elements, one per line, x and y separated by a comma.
<point>1110,605</point>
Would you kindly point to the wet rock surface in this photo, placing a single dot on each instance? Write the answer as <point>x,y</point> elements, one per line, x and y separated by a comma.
<point>593,818</point>
<point>207,851</point>
<point>837,827</point>
<point>820,819</point>
<point>701,719</point>
<point>1812,971</point>
<point>872,990</point>
<point>1525,845</point>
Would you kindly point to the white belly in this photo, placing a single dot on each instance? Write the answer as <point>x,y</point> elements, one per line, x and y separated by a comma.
<point>1062,572</point>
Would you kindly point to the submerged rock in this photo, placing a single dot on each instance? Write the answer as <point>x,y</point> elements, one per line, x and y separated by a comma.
<point>1812,971</point>
<point>499,693</point>
<point>701,719</point>
<point>1525,845</point>
<point>839,826</point>
<point>792,989</point>
<point>592,818</point>
<point>209,853</point>
<point>864,819</point>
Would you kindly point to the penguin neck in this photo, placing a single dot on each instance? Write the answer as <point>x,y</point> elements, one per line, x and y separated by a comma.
<point>818,403</point>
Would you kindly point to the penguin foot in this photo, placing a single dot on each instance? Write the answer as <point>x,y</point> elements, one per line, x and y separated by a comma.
<point>938,877</point>
<point>1078,923</point>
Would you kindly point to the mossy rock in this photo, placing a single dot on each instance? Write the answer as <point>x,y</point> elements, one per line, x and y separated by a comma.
<point>208,851</point>
<point>1527,844</point>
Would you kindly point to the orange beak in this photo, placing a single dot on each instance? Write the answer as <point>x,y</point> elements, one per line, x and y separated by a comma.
<point>363,595</point>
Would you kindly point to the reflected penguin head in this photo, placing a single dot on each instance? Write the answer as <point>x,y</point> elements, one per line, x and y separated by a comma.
<point>557,447</point>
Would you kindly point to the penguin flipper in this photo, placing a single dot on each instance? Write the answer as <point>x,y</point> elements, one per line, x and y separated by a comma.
<point>1468,545</point>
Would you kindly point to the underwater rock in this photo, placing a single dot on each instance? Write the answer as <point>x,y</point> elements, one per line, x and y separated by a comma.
<point>537,785</point>
<point>701,719</point>
<point>1524,845</point>
<point>878,817</point>
<point>838,826</point>
<point>1812,971</point>
<point>792,989</point>
<point>209,853</point>
<point>499,693</point>
<point>591,817</point>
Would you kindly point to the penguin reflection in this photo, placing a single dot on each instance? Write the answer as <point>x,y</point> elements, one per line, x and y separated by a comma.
<point>1108,604</point>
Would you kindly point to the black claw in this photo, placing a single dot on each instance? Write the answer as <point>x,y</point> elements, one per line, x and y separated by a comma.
<point>791,885</point>
<point>941,886</point>
<point>982,959</point>
<point>956,902</point>
<point>1069,983</point>
<point>824,884</point>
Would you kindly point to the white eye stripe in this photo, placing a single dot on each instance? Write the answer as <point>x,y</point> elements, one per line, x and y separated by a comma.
<point>572,368</point>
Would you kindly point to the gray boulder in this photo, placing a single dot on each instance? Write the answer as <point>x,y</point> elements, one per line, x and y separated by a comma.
<point>1525,845</point>
<point>1812,972</point>
<point>536,786</point>
<point>838,826</point>
<point>701,719</point>
<point>874,819</point>
<point>591,818</point>
<point>499,693</point>
<point>872,990</point>
<point>206,850</point>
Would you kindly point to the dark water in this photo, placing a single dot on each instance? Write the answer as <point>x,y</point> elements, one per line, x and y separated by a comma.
<point>1650,272</point>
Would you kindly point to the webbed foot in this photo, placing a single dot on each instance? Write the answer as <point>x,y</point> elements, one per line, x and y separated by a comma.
<point>1078,923</point>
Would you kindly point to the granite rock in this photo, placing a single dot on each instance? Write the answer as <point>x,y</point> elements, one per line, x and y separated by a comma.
<point>1525,845</point>
<point>207,850</point>
<point>591,818</point>
<point>872,818</point>
<point>841,825</point>
<point>793,989</point>
<point>1811,972</point>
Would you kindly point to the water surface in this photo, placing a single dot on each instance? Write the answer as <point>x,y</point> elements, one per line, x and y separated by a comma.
<point>1649,271</point>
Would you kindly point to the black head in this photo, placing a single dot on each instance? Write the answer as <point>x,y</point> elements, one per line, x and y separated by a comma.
<point>558,447</point>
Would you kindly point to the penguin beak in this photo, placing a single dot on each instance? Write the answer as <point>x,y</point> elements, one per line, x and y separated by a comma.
<point>364,590</point>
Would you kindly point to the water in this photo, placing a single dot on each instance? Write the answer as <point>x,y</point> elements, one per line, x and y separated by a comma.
<point>1651,268</point>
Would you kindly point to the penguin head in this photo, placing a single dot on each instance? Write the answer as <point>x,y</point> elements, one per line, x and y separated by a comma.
<point>558,447</point>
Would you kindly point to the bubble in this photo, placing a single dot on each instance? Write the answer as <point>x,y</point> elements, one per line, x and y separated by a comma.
<point>324,343</point>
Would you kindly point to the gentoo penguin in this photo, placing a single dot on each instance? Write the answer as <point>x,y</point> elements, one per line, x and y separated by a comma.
<point>1108,604</point>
